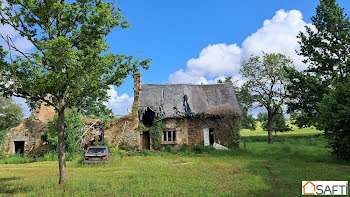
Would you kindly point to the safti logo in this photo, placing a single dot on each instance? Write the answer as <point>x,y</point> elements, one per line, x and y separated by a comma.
<point>324,187</point>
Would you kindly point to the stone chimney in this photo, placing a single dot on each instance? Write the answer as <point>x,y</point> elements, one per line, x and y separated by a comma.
<point>137,87</point>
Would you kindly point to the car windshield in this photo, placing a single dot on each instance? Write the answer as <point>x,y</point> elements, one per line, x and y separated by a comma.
<point>97,150</point>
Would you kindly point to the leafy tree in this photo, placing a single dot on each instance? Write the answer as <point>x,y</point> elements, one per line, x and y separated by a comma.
<point>326,51</point>
<point>10,113</point>
<point>70,64</point>
<point>278,122</point>
<point>265,81</point>
<point>73,131</point>
<point>245,102</point>
<point>312,92</point>
<point>335,119</point>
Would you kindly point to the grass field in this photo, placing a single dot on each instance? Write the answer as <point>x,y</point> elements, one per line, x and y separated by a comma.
<point>260,170</point>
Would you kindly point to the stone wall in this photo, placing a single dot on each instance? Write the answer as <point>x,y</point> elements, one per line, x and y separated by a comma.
<point>180,126</point>
<point>113,131</point>
<point>222,130</point>
<point>30,131</point>
<point>190,130</point>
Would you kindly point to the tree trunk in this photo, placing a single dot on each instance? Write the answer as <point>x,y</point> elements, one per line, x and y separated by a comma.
<point>61,153</point>
<point>269,124</point>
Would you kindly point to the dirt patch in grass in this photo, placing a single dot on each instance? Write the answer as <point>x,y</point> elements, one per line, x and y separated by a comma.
<point>234,172</point>
<point>177,163</point>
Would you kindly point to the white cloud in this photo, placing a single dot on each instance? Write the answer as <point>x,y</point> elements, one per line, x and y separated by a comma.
<point>277,35</point>
<point>216,60</point>
<point>119,104</point>
<point>213,61</point>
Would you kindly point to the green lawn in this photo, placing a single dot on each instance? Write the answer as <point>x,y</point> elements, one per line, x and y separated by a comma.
<point>260,170</point>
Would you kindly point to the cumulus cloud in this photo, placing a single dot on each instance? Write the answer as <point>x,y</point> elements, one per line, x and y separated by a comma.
<point>119,104</point>
<point>213,61</point>
<point>277,35</point>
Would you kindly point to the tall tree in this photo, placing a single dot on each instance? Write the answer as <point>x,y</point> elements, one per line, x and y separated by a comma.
<point>71,64</point>
<point>265,80</point>
<point>318,95</point>
<point>326,49</point>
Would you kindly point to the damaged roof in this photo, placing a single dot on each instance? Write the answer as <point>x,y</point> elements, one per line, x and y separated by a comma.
<point>185,100</point>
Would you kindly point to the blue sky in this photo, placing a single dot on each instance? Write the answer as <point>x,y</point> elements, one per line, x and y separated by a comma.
<point>199,41</point>
<point>173,32</point>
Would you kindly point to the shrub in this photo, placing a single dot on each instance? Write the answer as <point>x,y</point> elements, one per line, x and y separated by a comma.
<point>49,156</point>
<point>128,148</point>
<point>200,148</point>
<point>185,148</point>
<point>146,152</point>
<point>122,154</point>
<point>170,149</point>
<point>16,159</point>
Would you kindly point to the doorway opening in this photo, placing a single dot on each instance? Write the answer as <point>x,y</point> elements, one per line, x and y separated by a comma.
<point>211,136</point>
<point>146,140</point>
<point>19,147</point>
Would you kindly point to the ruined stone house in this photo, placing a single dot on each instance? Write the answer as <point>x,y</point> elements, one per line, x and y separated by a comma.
<point>190,114</point>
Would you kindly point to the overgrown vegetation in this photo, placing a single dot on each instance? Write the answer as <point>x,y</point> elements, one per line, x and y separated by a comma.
<point>156,133</point>
<point>235,132</point>
<point>73,133</point>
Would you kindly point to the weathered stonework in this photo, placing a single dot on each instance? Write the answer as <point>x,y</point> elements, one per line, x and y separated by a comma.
<point>181,129</point>
<point>190,130</point>
<point>221,127</point>
<point>113,131</point>
<point>30,132</point>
